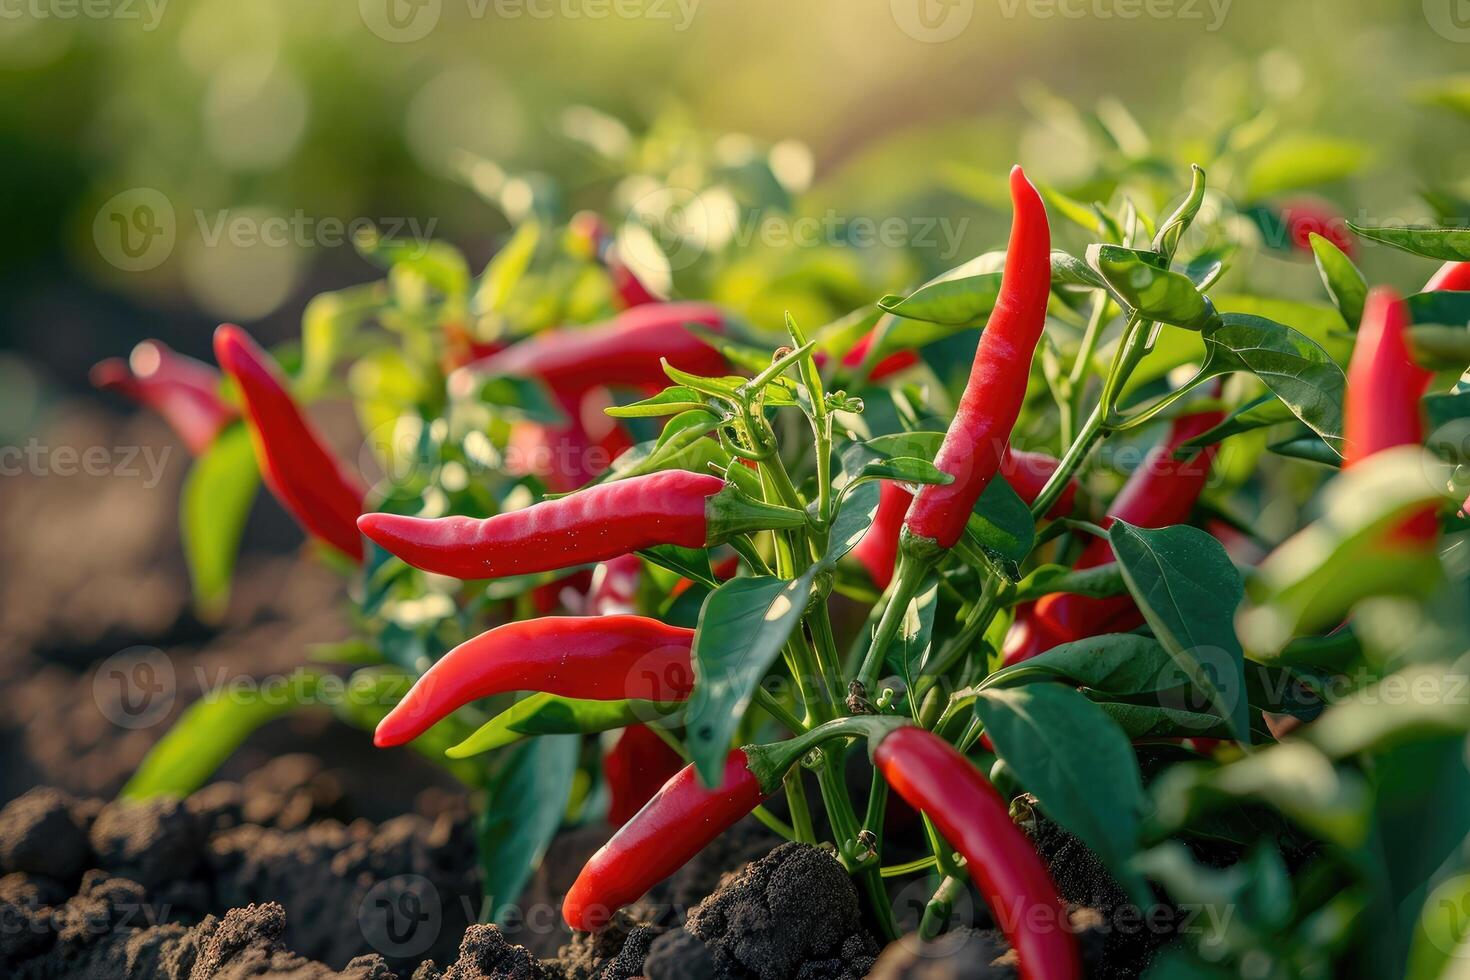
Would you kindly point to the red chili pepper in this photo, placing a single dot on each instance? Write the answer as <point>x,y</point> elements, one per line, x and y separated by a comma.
<point>1302,217</point>
<point>693,510</point>
<point>185,392</point>
<point>1026,472</point>
<point>625,351</point>
<point>1451,277</point>
<point>598,658</point>
<point>932,776</point>
<point>988,409</point>
<point>638,765</point>
<point>885,368</point>
<point>671,828</point>
<point>1384,387</point>
<point>309,481</point>
<point>1162,491</point>
<point>592,230</point>
<point>1384,384</point>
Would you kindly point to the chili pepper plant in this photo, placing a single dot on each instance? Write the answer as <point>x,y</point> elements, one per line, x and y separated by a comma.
<point>619,557</point>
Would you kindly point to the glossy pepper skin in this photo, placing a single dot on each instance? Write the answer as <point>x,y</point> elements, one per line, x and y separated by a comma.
<point>934,778</point>
<point>1384,384</point>
<point>1162,491</point>
<point>1026,472</point>
<point>309,481</point>
<point>1451,277</point>
<point>988,408</point>
<point>675,825</point>
<point>625,351</point>
<point>591,525</point>
<point>636,768</point>
<point>1384,388</point>
<point>598,658</point>
<point>185,392</point>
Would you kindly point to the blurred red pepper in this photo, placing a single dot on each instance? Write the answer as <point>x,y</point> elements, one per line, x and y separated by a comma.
<point>184,391</point>
<point>312,484</point>
<point>625,351</point>
<point>1384,388</point>
<point>1302,217</point>
<point>638,765</point>
<point>599,658</point>
<point>693,510</point>
<point>933,777</point>
<point>589,228</point>
<point>1162,491</point>
<point>676,824</point>
<point>886,367</point>
<point>568,456</point>
<point>976,440</point>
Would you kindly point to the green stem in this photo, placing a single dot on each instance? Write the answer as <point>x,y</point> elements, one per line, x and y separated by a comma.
<point>1162,405</point>
<point>940,907</point>
<point>775,823</point>
<point>801,814</point>
<point>905,586</point>
<point>899,870</point>
<point>779,711</point>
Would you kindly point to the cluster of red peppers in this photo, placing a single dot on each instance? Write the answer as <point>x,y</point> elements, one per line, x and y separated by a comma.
<point>664,814</point>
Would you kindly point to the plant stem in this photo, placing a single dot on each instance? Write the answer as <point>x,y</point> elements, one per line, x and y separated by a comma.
<point>779,711</point>
<point>905,586</point>
<point>774,822</point>
<point>801,814</point>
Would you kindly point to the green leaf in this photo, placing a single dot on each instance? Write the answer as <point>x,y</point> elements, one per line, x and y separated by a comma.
<point>1258,413</point>
<point>1150,288</point>
<point>549,714</point>
<point>958,298</point>
<point>1068,270</point>
<point>439,264</point>
<point>854,516</point>
<point>215,502</point>
<point>1073,758</point>
<point>1141,722</point>
<point>507,269</point>
<point>1100,582</point>
<point>1120,665</point>
<point>743,627</point>
<point>1304,160</point>
<point>1446,308</point>
<point>1002,523</point>
<point>1448,244</point>
<point>1166,241</point>
<point>1345,284</point>
<point>1318,574</point>
<point>905,469</point>
<point>327,323</point>
<point>673,400</point>
<point>1309,447</point>
<point>1296,369</point>
<point>1188,591</point>
<point>911,647</point>
<point>210,730</point>
<point>523,812</point>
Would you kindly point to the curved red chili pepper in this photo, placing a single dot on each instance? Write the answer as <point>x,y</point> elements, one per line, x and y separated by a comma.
<point>1162,491</point>
<point>1451,277</point>
<point>988,409</point>
<point>661,838</point>
<point>184,391</point>
<point>638,765</point>
<point>692,510</point>
<point>309,481</point>
<point>1384,388</point>
<point>598,658</point>
<point>625,351</point>
<point>933,777</point>
<point>1026,472</point>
